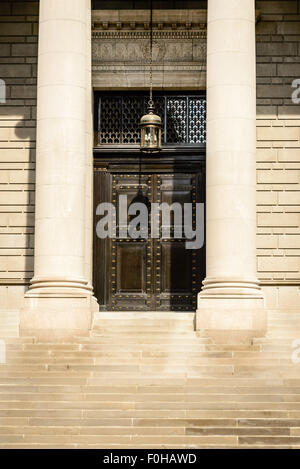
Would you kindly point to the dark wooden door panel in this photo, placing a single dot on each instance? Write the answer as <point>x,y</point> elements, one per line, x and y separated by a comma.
<point>148,274</point>
<point>177,265</point>
<point>176,268</point>
<point>131,267</point>
<point>131,278</point>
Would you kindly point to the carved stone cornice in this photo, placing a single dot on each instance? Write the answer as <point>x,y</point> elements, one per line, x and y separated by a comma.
<point>132,20</point>
<point>178,34</point>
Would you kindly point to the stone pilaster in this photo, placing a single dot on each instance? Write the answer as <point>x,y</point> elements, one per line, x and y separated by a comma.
<point>231,305</point>
<point>59,301</point>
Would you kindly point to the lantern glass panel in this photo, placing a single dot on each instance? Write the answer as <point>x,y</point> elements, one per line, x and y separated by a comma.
<point>151,137</point>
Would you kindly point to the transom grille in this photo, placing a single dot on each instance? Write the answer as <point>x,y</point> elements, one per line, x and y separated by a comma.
<point>183,117</point>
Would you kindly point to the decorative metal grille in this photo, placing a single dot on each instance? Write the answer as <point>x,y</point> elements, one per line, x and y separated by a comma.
<point>183,117</point>
<point>197,120</point>
<point>176,120</point>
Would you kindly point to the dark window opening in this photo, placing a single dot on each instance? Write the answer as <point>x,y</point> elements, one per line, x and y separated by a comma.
<point>117,118</point>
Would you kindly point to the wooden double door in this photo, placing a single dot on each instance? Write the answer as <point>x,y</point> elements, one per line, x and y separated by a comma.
<point>147,273</point>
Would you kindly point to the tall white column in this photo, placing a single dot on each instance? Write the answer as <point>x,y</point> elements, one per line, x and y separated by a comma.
<point>58,303</point>
<point>231,303</point>
<point>89,153</point>
<point>89,184</point>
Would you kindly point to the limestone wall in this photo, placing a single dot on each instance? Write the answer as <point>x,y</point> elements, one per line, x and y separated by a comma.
<point>278,152</point>
<point>18,52</point>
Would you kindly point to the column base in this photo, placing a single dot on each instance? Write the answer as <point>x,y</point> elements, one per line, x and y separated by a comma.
<point>231,319</point>
<point>57,316</point>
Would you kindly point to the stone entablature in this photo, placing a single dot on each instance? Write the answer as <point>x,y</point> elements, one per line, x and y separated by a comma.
<point>120,49</point>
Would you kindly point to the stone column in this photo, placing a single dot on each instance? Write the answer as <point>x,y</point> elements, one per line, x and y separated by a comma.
<point>89,152</point>
<point>59,301</point>
<point>231,304</point>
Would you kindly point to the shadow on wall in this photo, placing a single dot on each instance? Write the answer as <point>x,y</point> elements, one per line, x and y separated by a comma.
<point>17,179</point>
<point>18,52</point>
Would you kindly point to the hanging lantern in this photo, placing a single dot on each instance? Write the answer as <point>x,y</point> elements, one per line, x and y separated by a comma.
<point>150,123</point>
<point>151,126</point>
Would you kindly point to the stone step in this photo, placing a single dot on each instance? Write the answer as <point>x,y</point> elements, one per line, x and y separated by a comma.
<point>148,356</point>
<point>122,325</point>
<point>150,350</point>
<point>144,331</point>
<point>175,379</point>
<point>10,386</point>
<point>280,334</point>
<point>175,429</point>
<point>140,361</point>
<point>192,423</point>
<point>13,416</point>
<point>158,382</point>
<point>143,388</point>
<point>149,405</point>
<point>284,321</point>
<point>136,446</point>
<point>120,439</point>
<point>287,315</point>
<point>275,341</point>
<point>129,372</point>
<point>150,398</point>
<point>143,315</point>
<point>183,339</point>
<point>157,440</point>
<point>167,347</point>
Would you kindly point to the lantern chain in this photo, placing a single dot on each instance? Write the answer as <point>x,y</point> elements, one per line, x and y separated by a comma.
<point>151,56</point>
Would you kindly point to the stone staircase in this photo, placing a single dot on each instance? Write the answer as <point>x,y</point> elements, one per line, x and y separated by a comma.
<point>147,380</point>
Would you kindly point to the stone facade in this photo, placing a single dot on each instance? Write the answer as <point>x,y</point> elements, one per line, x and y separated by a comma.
<point>149,379</point>
<point>278,136</point>
<point>18,50</point>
